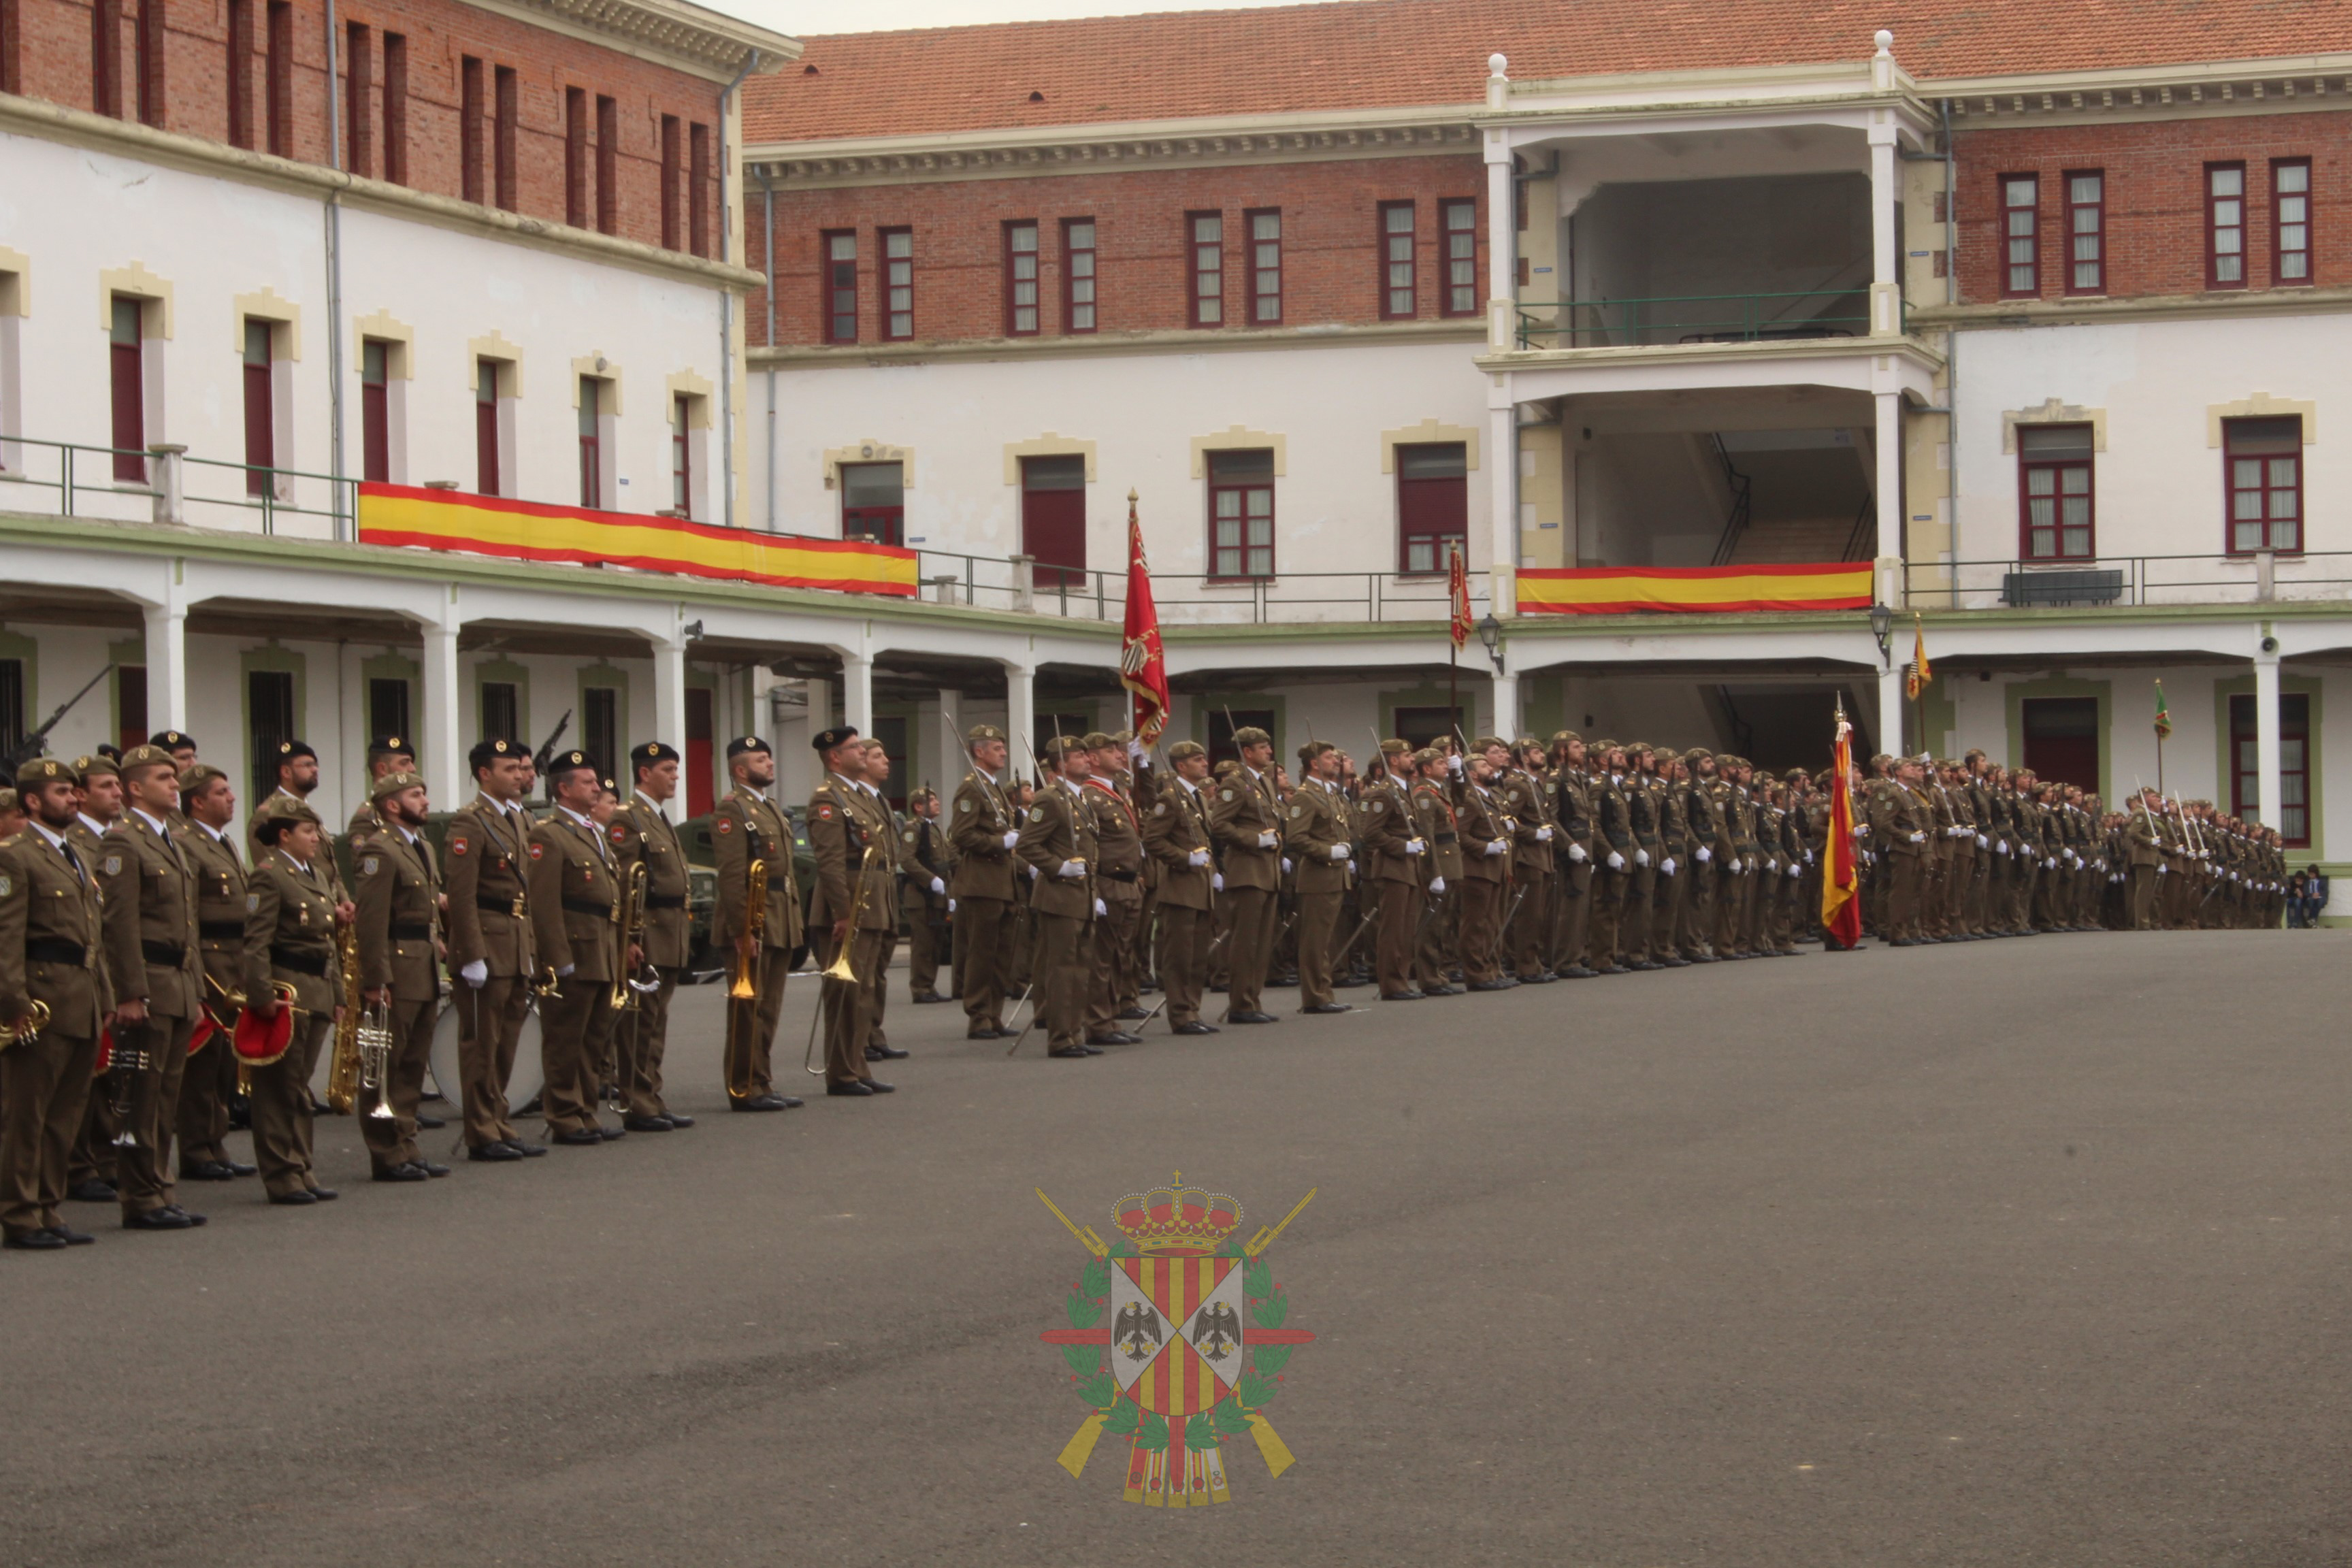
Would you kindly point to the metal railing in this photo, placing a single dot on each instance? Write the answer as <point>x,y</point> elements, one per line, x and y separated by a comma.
<point>67,479</point>
<point>2130,580</point>
<point>1019,583</point>
<point>1695,319</point>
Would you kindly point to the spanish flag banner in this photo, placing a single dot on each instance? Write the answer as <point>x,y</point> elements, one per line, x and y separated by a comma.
<point>524,530</point>
<point>1840,901</point>
<point>1693,590</point>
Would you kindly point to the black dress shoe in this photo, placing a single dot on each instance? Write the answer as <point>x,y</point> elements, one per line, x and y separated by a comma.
<point>300,1198</point>
<point>493,1154</point>
<point>325,1194</point>
<point>982,1033</point>
<point>1116,1037</point>
<point>1578,972</point>
<point>1612,969</point>
<point>193,1219</point>
<point>207,1171</point>
<point>430,1168</point>
<point>876,1086</point>
<point>649,1123</point>
<point>237,1168</point>
<point>71,1237</point>
<point>92,1190</point>
<point>1131,1015</point>
<point>430,1124</point>
<point>676,1122</point>
<point>923,997</point>
<point>579,1137</point>
<point>1068,1051</point>
<point>157,1219</point>
<point>885,1054</point>
<point>528,1151</point>
<point>1400,995</point>
<point>610,1133</point>
<point>33,1241</point>
<point>1195,1028</point>
<point>1677,963</point>
<point>1449,989</point>
<point>411,1172</point>
<point>850,1088</point>
<point>1490,986</point>
<point>1903,942</point>
<point>1251,1018</point>
<point>1328,1007</point>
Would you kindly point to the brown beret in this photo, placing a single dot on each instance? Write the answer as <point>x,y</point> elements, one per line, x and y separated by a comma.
<point>1183,748</point>
<point>392,783</point>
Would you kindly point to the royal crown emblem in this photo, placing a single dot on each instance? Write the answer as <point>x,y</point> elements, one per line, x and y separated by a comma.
<point>1177,1341</point>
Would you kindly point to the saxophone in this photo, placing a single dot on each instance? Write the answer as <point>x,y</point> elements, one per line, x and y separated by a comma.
<point>343,1075</point>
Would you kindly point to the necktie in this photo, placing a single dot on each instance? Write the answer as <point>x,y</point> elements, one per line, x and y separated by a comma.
<point>65,847</point>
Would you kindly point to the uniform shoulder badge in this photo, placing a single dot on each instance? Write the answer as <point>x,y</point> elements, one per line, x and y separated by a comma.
<point>1224,795</point>
<point>725,825</point>
<point>536,849</point>
<point>368,863</point>
<point>962,806</point>
<point>908,833</point>
<point>620,833</point>
<point>1380,806</point>
<point>1176,1339</point>
<point>825,811</point>
<point>456,844</point>
<point>1161,809</point>
<point>113,866</point>
<point>1297,811</point>
<point>252,903</point>
<point>7,884</point>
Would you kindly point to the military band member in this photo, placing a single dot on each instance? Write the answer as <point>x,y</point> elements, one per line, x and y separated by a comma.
<point>180,743</point>
<point>853,907</point>
<point>1248,827</point>
<point>296,769</point>
<point>889,851</point>
<point>490,955</point>
<point>52,946</point>
<point>98,805</point>
<point>1394,870</point>
<point>575,897</point>
<point>1119,882</point>
<point>643,835</point>
<point>1176,834</point>
<point>148,889</point>
<point>207,807</point>
<point>1058,840</point>
<point>747,826</point>
<point>386,755</point>
<point>291,916</point>
<point>985,886</point>
<point>398,920</point>
<point>924,895</point>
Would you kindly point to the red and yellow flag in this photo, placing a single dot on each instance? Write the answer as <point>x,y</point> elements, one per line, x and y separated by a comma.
<point>1693,590</point>
<point>1915,681</point>
<point>1142,662</point>
<point>1841,906</point>
<point>1458,595</point>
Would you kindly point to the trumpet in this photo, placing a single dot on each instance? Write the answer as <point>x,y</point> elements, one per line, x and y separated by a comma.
<point>374,1038</point>
<point>345,1070</point>
<point>29,1028</point>
<point>630,916</point>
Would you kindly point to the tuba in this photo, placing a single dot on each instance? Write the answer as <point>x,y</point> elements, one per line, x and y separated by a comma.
<point>344,1074</point>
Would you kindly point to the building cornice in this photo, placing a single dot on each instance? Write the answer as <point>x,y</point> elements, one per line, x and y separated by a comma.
<point>2219,305</point>
<point>666,32</point>
<point>195,154</point>
<point>2297,84</point>
<point>1908,345</point>
<point>1091,345</point>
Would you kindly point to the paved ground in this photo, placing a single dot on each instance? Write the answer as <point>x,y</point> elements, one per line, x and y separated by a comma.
<point>2013,1253</point>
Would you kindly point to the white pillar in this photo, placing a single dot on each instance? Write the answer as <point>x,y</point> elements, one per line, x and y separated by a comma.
<point>858,692</point>
<point>440,752</point>
<point>1507,707</point>
<point>2266,734</point>
<point>1503,499</point>
<point>1890,710</point>
<point>1886,267</point>
<point>1888,441</point>
<point>669,712</point>
<point>1021,716</point>
<point>1502,247</point>
<point>167,661</point>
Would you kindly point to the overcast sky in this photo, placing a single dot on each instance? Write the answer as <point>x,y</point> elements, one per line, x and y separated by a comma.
<point>801,18</point>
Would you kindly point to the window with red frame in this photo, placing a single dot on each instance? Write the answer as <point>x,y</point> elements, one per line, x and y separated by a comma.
<point>1400,296</point>
<point>261,409</point>
<point>681,454</point>
<point>840,246</point>
<point>2291,221</point>
<point>1207,232</point>
<point>2086,232</point>
<point>1432,506</point>
<point>2021,229</point>
<point>1241,513</point>
<point>873,502</point>
<point>1266,267</point>
<point>375,411</point>
<point>2263,459</point>
<point>1461,257</point>
<point>486,428</point>
<point>2292,818</point>
<point>125,353</point>
<point>2225,225</point>
<point>898,282</point>
<point>1021,308</point>
<point>1078,278</point>
<point>2055,502</point>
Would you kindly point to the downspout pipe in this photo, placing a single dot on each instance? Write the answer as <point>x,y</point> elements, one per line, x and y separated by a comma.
<point>768,191</point>
<point>727,296</point>
<point>334,239</point>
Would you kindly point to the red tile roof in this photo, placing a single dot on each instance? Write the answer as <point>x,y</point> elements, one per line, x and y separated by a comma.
<point>1388,54</point>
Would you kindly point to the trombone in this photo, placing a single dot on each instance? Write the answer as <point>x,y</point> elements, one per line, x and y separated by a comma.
<point>629,914</point>
<point>743,991</point>
<point>841,970</point>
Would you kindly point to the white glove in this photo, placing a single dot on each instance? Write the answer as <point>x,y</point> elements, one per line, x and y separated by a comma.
<point>1453,762</point>
<point>951,906</point>
<point>1667,868</point>
<point>1918,838</point>
<point>565,973</point>
<point>1796,870</point>
<point>1809,857</point>
<point>2002,846</point>
<point>1495,846</point>
<point>1032,870</point>
<point>1352,867</point>
<point>1072,871</point>
<point>1338,852</point>
<point>1414,847</point>
<point>1266,840</point>
<point>2162,869</point>
<point>1735,865</point>
<point>1216,881</point>
<point>1197,859</point>
<point>1641,856</point>
<point>1010,839</point>
<point>2050,863</point>
<point>1705,855</point>
<point>1576,853</point>
<point>937,885</point>
<point>1616,861</point>
<point>1863,829</point>
<point>1101,910</point>
<point>1543,834</point>
<point>1286,865</point>
<point>1981,842</point>
<point>1751,862</point>
<point>1437,884</point>
<point>475,974</point>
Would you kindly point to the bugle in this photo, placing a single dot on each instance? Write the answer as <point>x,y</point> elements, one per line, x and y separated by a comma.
<point>374,1038</point>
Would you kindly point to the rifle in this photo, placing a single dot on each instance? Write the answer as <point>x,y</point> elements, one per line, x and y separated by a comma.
<point>32,745</point>
<point>541,758</point>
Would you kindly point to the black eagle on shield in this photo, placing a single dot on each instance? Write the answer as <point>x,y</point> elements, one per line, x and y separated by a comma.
<point>1136,1332</point>
<point>1216,1330</point>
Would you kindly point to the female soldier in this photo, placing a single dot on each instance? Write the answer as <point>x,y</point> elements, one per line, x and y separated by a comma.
<point>290,916</point>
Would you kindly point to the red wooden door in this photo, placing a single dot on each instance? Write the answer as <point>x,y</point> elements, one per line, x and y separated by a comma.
<point>701,789</point>
<point>1054,519</point>
<point>2061,739</point>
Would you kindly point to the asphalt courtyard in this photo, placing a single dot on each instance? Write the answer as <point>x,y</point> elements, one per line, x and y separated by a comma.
<point>2007,1253</point>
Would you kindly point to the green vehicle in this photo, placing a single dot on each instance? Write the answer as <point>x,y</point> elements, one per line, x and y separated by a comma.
<point>702,892</point>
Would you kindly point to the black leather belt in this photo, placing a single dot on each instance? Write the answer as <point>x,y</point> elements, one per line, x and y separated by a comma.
<point>311,964</point>
<point>1121,875</point>
<point>590,907</point>
<point>412,930</point>
<point>221,931</point>
<point>56,950</point>
<point>502,906</point>
<point>164,953</point>
<point>665,901</point>
<point>1447,837</point>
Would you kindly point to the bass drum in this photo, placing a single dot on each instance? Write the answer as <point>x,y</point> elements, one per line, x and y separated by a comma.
<point>530,1075</point>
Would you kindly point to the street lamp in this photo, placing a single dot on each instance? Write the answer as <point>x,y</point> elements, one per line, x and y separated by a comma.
<point>1490,631</point>
<point>1882,627</point>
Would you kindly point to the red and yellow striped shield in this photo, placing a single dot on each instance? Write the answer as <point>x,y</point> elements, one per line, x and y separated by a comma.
<point>1176,1330</point>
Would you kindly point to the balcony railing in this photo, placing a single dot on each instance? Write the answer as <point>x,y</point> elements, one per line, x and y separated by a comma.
<point>69,480</point>
<point>1695,319</point>
<point>2130,580</point>
<point>1016,583</point>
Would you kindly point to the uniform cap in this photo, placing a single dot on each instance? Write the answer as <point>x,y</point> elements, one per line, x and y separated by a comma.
<point>1061,746</point>
<point>1251,735</point>
<point>1225,768</point>
<point>487,752</point>
<point>824,740</point>
<point>148,756</point>
<point>1183,748</point>
<point>47,770</point>
<point>745,745</point>
<point>651,754</point>
<point>1427,755</point>
<point>570,761</point>
<point>281,814</point>
<point>1562,737</point>
<point>196,775</point>
<point>1314,749</point>
<point>391,746</point>
<point>1605,746</point>
<point>1392,747</point>
<point>980,732</point>
<point>173,740</point>
<point>1698,754</point>
<point>1634,746</point>
<point>290,751</point>
<point>1797,775</point>
<point>392,783</point>
<point>1097,740</point>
